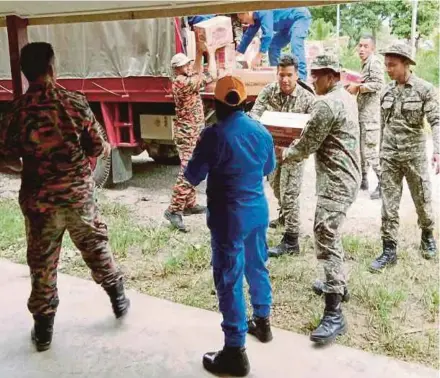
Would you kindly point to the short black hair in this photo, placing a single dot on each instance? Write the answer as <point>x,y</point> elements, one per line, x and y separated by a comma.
<point>368,36</point>
<point>35,59</point>
<point>288,61</point>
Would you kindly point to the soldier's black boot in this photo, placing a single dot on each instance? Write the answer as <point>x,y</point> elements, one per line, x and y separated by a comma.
<point>332,323</point>
<point>387,258</point>
<point>377,194</point>
<point>120,303</point>
<point>364,182</point>
<point>260,328</point>
<point>197,209</point>
<point>229,361</point>
<point>428,245</point>
<point>318,286</point>
<point>277,222</point>
<point>176,220</point>
<point>289,245</point>
<point>42,332</point>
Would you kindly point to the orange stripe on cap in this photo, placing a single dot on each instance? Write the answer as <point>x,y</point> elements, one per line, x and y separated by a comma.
<point>230,84</point>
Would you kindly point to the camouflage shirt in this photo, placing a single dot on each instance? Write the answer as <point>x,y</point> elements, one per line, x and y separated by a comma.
<point>46,128</point>
<point>402,115</point>
<point>271,98</point>
<point>369,95</point>
<point>333,133</point>
<point>189,104</point>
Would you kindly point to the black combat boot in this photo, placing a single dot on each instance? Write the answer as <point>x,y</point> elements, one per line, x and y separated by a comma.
<point>318,287</point>
<point>42,332</point>
<point>332,323</point>
<point>260,328</point>
<point>176,220</point>
<point>197,209</point>
<point>377,194</point>
<point>289,245</point>
<point>364,182</point>
<point>229,361</point>
<point>120,303</point>
<point>428,246</point>
<point>387,258</point>
<point>279,222</point>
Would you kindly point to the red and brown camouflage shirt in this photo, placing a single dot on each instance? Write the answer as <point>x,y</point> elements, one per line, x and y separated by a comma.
<point>46,127</point>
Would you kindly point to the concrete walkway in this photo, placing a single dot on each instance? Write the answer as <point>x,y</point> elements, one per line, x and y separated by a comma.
<point>157,339</point>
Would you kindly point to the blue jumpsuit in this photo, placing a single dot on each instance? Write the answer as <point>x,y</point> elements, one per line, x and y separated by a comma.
<point>236,154</point>
<point>290,25</point>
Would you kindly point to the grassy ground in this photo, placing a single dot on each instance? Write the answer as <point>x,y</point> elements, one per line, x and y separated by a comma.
<point>394,314</point>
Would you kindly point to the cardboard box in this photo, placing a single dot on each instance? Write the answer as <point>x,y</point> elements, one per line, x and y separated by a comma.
<point>284,127</point>
<point>215,32</point>
<point>225,59</point>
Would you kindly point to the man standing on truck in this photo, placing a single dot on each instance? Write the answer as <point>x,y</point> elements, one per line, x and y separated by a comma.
<point>286,95</point>
<point>279,28</point>
<point>236,154</point>
<point>333,134</point>
<point>368,98</point>
<point>190,120</point>
<point>54,132</point>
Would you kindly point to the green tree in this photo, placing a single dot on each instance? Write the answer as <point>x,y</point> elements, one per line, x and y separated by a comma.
<point>321,30</point>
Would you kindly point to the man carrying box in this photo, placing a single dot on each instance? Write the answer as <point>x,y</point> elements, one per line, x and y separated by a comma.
<point>285,95</point>
<point>333,134</point>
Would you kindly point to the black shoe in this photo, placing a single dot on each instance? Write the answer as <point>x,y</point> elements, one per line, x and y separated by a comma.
<point>332,323</point>
<point>387,258</point>
<point>318,290</point>
<point>229,361</point>
<point>289,245</point>
<point>428,245</point>
<point>277,222</point>
<point>364,182</point>
<point>377,194</point>
<point>120,303</point>
<point>176,220</point>
<point>260,328</point>
<point>42,332</point>
<point>197,209</point>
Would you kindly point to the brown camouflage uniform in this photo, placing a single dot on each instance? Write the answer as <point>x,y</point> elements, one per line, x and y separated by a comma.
<point>333,134</point>
<point>369,112</point>
<point>46,127</point>
<point>403,150</point>
<point>190,120</point>
<point>286,180</point>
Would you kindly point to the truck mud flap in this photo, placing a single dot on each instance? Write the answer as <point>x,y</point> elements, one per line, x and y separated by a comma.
<point>122,168</point>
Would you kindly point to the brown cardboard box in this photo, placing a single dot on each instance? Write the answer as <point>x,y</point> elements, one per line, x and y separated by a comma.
<point>215,32</point>
<point>284,127</point>
<point>225,60</point>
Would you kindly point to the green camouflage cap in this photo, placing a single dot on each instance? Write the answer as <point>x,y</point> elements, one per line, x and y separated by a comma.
<point>329,61</point>
<point>401,49</point>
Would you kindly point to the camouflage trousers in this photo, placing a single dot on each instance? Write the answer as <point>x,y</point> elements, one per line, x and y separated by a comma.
<point>416,174</point>
<point>329,218</point>
<point>286,183</point>
<point>184,194</point>
<point>44,233</point>
<point>369,141</point>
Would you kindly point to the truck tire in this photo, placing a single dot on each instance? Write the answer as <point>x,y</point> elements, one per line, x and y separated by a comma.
<point>165,154</point>
<point>102,166</point>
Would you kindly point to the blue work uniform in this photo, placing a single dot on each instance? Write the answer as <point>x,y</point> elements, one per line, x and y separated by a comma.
<point>199,18</point>
<point>279,27</point>
<point>236,154</point>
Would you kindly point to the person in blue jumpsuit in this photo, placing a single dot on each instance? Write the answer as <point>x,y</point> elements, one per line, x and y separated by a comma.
<point>279,28</point>
<point>236,154</point>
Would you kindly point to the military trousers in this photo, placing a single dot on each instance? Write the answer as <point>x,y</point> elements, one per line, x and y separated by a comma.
<point>286,183</point>
<point>415,171</point>
<point>369,142</point>
<point>44,233</point>
<point>329,218</point>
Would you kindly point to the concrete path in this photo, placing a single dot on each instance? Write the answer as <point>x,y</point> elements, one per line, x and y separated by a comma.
<point>157,339</point>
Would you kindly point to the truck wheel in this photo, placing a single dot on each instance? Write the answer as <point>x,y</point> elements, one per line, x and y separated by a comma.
<point>165,154</point>
<point>102,167</point>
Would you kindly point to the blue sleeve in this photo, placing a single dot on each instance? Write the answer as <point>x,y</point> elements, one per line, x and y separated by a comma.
<point>202,158</point>
<point>271,158</point>
<point>247,38</point>
<point>266,22</point>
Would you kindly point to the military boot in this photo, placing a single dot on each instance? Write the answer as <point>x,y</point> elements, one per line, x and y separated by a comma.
<point>229,361</point>
<point>428,245</point>
<point>260,328</point>
<point>289,245</point>
<point>364,182</point>
<point>42,332</point>
<point>197,209</point>
<point>332,323</point>
<point>318,288</point>
<point>387,258</point>
<point>176,220</point>
<point>120,303</point>
<point>279,222</point>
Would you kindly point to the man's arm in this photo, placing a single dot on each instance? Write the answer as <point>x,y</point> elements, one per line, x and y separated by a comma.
<point>375,81</point>
<point>271,159</point>
<point>317,129</point>
<point>266,22</point>
<point>92,140</point>
<point>260,104</point>
<point>10,162</point>
<point>431,107</point>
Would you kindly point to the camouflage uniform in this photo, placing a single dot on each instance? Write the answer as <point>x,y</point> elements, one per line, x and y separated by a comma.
<point>286,180</point>
<point>187,127</point>
<point>333,134</point>
<point>48,127</point>
<point>369,113</point>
